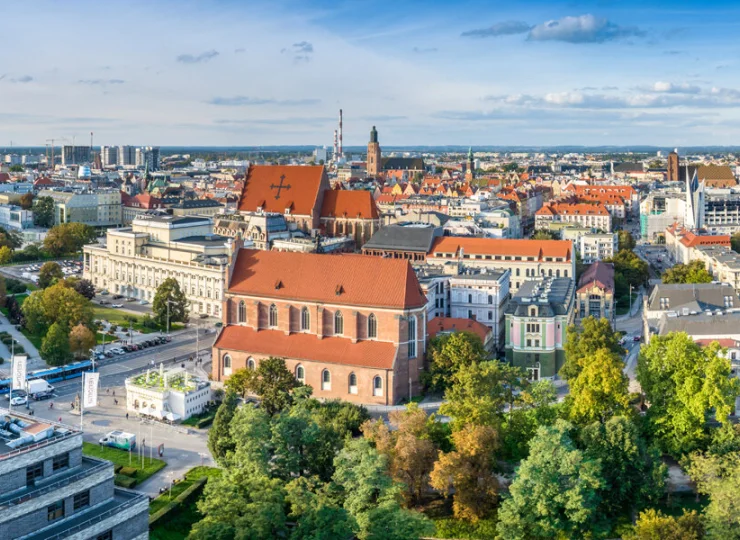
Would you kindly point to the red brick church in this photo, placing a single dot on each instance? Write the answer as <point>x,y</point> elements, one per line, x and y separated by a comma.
<point>351,326</point>
<point>303,195</point>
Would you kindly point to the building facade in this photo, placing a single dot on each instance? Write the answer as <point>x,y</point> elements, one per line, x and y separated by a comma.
<point>135,260</point>
<point>101,208</point>
<point>173,395</point>
<point>595,294</point>
<point>594,216</point>
<point>536,321</point>
<point>597,247</point>
<point>51,491</point>
<point>350,326</point>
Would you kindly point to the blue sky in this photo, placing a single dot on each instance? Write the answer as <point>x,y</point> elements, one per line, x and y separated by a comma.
<point>231,72</point>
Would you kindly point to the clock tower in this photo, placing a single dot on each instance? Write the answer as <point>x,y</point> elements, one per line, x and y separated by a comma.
<point>374,163</point>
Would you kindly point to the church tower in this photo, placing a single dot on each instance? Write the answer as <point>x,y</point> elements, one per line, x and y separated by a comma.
<point>673,166</point>
<point>470,167</point>
<point>374,163</point>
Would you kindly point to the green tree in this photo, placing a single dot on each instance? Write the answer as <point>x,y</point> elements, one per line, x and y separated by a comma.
<point>654,525</point>
<point>735,242</point>
<point>64,305</point>
<point>273,383</point>
<point>55,345</point>
<point>49,274</point>
<point>81,340</point>
<point>625,240</point>
<point>317,515</point>
<point>683,383</point>
<point>629,269</point>
<point>33,313</point>
<point>694,272</point>
<point>447,353</point>
<point>477,395</point>
<point>580,345</point>
<point>83,287</point>
<point>43,212</point>
<point>536,406</point>
<point>169,293</point>
<point>545,234</point>
<point>718,477</point>
<point>220,442</point>
<point>6,255</point>
<point>556,492</point>
<point>26,201</point>
<point>600,389</point>
<point>16,168</point>
<point>10,238</point>
<point>634,476</point>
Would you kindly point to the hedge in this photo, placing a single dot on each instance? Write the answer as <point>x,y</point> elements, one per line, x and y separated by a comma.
<point>183,498</point>
<point>205,422</point>
<point>124,481</point>
<point>117,468</point>
<point>128,471</point>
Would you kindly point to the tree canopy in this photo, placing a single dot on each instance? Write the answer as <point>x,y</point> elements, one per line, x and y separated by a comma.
<point>43,212</point>
<point>694,272</point>
<point>447,353</point>
<point>271,381</point>
<point>600,389</point>
<point>68,238</point>
<point>626,241</point>
<point>581,344</point>
<point>49,274</point>
<point>169,294</point>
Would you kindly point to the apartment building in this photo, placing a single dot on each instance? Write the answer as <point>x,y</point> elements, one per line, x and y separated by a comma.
<point>597,246</point>
<point>594,216</point>
<point>51,491</point>
<point>101,208</point>
<point>135,260</point>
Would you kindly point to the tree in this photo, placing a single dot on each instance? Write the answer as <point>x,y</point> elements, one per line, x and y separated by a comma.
<point>735,242</point>
<point>11,239</point>
<point>545,234</point>
<point>6,255</point>
<point>629,269</point>
<point>3,292</point>
<point>83,287</point>
<point>718,477</point>
<point>55,346</point>
<point>49,274</point>
<point>536,406</point>
<point>43,212</point>
<point>16,168</point>
<point>68,238</point>
<point>65,306</point>
<point>26,201</point>
<point>477,395</point>
<point>220,442</point>
<point>634,476</point>
<point>555,493</point>
<point>694,272</point>
<point>600,389</point>
<point>33,313</point>
<point>169,293</point>
<point>81,340</point>
<point>410,451</point>
<point>580,345</point>
<point>625,240</point>
<point>317,515</point>
<point>683,382</point>
<point>469,471</point>
<point>654,525</point>
<point>447,353</point>
<point>272,382</point>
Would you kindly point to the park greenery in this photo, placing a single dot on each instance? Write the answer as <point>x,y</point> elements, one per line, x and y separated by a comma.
<point>694,272</point>
<point>629,270</point>
<point>502,456</point>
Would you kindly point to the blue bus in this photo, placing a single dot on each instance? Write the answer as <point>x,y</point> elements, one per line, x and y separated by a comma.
<point>55,374</point>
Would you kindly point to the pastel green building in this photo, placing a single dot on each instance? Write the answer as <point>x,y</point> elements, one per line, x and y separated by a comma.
<point>536,320</point>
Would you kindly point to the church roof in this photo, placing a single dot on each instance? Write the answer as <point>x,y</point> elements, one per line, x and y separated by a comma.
<point>349,203</point>
<point>402,163</point>
<point>301,346</point>
<point>357,280</point>
<point>301,186</point>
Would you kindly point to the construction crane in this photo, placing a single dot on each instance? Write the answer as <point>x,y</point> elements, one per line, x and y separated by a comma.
<point>52,150</point>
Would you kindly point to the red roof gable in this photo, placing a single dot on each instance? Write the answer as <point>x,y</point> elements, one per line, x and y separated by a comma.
<point>497,246</point>
<point>299,193</point>
<point>328,350</point>
<point>352,204</point>
<point>450,324</point>
<point>358,280</point>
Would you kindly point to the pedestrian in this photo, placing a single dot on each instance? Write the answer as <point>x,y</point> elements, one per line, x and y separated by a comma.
<point>107,390</point>
<point>114,393</point>
<point>126,416</point>
<point>60,419</point>
<point>115,401</point>
<point>143,442</point>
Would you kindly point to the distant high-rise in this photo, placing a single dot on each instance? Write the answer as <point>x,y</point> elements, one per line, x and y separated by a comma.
<point>148,157</point>
<point>109,156</point>
<point>127,155</point>
<point>75,155</point>
<point>374,163</point>
<point>673,166</point>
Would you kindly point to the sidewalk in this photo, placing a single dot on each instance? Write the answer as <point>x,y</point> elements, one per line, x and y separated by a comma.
<point>34,359</point>
<point>636,307</point>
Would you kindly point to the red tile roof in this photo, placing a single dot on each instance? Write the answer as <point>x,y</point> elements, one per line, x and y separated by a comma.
<point>357,280</point>
<point>327,350</point>
<point>450,324</point>
<point>497,246</point>
<point>572,209</point>
<point>300,192</point>
<point>599,273</point>
<point>351,204</point>
<point>723,342</point>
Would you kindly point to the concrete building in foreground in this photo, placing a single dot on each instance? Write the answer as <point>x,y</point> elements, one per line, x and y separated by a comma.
<point>50,491</point>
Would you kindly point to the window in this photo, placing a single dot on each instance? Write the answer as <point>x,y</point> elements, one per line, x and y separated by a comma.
<point>470,299</point>
<point>412,337</point>
<point>305,319</point>
<point>490,299</point>
<point>81,500</point>
<point>33,472</point>
<point>529,343</point>
<point>227,361</point>
<point>273,322</point>
<point>55,511</point>
<point>325,380</point>
<point>338,323</point>
<point>242,315</point>
<point>372,326</point>
<point>107,535</point>
<point>250,364</point>
<point>60,462</point>
<point>300,374</point>
<point>377,386</point>
<point>490,315</point>
<point>352,383</point>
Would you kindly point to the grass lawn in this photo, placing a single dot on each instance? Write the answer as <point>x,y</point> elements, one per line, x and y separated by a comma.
<point>623,307</point>
<point>117,317</point>
<point>121,457</point>
<point>191,476</point>
<point>108,339</point>
<point>193,420</point>
<point>33,338</point>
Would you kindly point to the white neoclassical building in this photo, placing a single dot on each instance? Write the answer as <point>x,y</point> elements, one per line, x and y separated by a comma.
<point>169,395</point>
<point>135,260</point>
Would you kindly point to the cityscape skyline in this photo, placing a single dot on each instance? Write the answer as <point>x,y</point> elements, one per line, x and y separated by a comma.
<point>548,74</point>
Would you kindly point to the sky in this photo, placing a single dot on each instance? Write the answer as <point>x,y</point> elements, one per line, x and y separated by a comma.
<point>464,72</point>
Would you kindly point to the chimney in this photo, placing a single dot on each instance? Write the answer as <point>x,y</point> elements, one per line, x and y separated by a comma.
<point>341,149</point>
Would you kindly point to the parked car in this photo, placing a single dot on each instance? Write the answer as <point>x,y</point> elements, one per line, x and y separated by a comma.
<point>104,302</point>
<point>117,296</point>
<point>637,338</point>
<point>104,293</point>
<point>116,305</point>
<point>143,302</point>
<point>18,393</point>
<point>18,400</point>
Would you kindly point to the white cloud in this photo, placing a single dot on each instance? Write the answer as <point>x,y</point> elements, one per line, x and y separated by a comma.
<point>582,29</point>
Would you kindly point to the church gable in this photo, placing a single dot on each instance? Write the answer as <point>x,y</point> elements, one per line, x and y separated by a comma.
<point>277,188</point>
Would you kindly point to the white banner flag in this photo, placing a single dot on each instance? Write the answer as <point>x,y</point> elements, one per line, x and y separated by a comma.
<point>90,390</point>
<point>19,372</point>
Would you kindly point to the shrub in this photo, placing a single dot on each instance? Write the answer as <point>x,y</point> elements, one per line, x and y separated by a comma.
<point>124,481</point>
<point>117,468</point>
<point>183,498</point>
<point>128,471</point>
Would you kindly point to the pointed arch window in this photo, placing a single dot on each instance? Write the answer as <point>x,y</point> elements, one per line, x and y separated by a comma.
<point>326,380</point>
<point>352,383</point>
<point>250,364</point>
<point>305,319</point>
<point>273,318</point>
<point>242,315</point>
<point>300,374</point>
<point>377,386</point>
<point>372,326</point>
<point>338,323</point>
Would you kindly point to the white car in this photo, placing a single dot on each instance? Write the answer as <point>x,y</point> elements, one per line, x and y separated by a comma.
<point>19,400</point>
<point>116,305</point>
